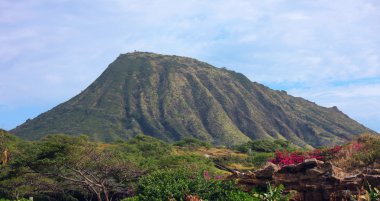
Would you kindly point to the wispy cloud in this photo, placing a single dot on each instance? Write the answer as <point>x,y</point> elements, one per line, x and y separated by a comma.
<point>51,50</point>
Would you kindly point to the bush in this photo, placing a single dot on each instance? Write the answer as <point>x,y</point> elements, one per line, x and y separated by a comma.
<point>369,149</point>
<point>373,193</point>
<point>260,159</point>
<point>267,146</point>
<point>144,151</point>
<point>272,194</point>
<point>284,157</point>
<point>176,184</point>
<point>363,152</point>
<point>192,162</point>
<point>192,143</point>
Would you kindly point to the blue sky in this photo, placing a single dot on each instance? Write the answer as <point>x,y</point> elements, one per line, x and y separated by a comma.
<point>325,51</point>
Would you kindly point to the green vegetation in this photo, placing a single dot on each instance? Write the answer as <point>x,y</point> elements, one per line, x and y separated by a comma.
<point>266,146</point>
<point>192,143</point>
<point>69,168</point>
<point>260,151</point>
<point>62,167</point>
<point>174,98</point>
<point>373,193</point>
<point>273,194</point>
<point>370,145</point>
<point>177,184</point>
<point>370,194</point>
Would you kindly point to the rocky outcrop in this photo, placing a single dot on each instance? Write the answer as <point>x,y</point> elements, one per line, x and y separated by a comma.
<point>312,180</point>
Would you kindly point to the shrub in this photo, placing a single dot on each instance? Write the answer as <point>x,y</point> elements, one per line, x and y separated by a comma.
<point>260,159</point>
<point>325,154</point>
<point>284,157</point>
<point>144,151</point>
<point>369,149</point>
<point>176,184</point>
<point>373,193</point>
<point>259,146</point>
<point>192,143</point>
<point>273,194</point>
<point>191,162</point>
<point>267,146</point>
<point>363,152</point>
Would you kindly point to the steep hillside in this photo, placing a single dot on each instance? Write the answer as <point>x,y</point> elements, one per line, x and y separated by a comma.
<point>172,97</point>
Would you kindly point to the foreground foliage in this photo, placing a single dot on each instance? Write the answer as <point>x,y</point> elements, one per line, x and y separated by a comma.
<point>362,152</point>
<point>143,168</point>
<point>63,167</point>
<point>75,168</point>
<point>283,157</point>
<point>273,194</point>
<point>180,184</point>
<point>259,152</point>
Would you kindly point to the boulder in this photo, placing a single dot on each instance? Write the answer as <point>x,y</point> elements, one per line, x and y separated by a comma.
<point>267,172</point>
<point>313,180</point>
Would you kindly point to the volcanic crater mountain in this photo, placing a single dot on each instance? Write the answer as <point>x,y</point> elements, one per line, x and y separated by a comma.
<point>173,97</point>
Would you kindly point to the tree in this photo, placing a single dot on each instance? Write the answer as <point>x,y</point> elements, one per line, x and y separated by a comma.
<point>79,163</point>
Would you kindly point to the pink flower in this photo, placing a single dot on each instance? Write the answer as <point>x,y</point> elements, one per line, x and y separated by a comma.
<point>218,177</point>
<point>357,146</point>
<point>206,175</point>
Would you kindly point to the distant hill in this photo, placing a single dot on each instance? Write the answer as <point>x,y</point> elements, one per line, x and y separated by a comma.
<point>173,97</point>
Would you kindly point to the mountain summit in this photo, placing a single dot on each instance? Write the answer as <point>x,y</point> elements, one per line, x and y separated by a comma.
<point>173,97</point>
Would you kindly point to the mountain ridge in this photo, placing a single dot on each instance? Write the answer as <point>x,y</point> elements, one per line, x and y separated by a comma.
<point>173,97</point>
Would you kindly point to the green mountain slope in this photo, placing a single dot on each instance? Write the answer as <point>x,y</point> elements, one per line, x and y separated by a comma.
<point>172,97</point>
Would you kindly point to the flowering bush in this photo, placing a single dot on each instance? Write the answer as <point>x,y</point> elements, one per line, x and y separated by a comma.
<point>325,154</point>
<point>361,153</point>
<point>206,175</point>
<point>284,157</point>
<point>357,146</point>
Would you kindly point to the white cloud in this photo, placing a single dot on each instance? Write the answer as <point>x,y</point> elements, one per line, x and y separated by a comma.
<point>296,16</point>
<point>249,38</point>
<point>50,50</point>
<point>16,11</point>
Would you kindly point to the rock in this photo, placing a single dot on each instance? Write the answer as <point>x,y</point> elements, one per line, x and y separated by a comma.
<point>374,180</point>
<point>288,169</point>
<point>267,172</point>
<point>313,180</point>
<point>307,164</point>
<point>374,171</point>
<point>314,171</point>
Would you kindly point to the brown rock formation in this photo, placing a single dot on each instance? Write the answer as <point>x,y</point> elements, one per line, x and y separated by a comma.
<point>313,180</point>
